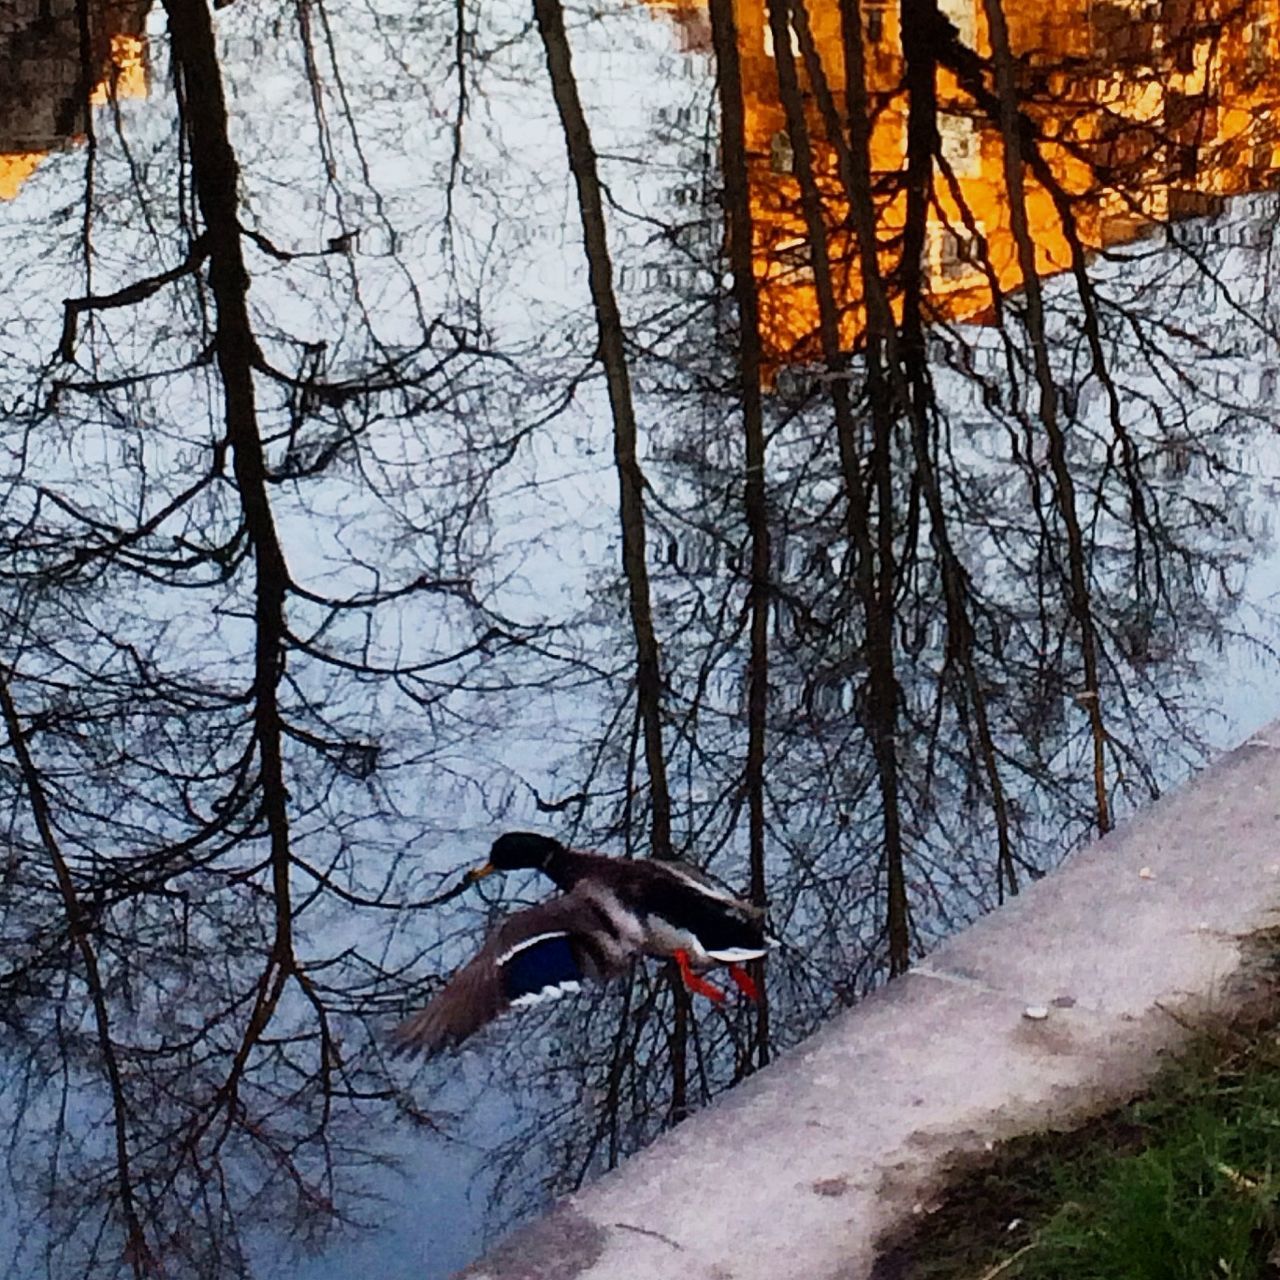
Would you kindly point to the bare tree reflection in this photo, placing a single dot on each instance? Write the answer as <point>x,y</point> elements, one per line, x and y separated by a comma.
<point>928,514</point>
<point>989,590</point>
<point>198,642</point>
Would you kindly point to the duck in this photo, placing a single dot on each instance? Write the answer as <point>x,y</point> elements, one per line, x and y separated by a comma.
<point>610,912</point>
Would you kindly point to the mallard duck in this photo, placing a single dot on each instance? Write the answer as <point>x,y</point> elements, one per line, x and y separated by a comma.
<point>612,910</point>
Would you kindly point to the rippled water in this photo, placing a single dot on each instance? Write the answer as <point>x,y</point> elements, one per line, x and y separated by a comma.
<point>201,959</point>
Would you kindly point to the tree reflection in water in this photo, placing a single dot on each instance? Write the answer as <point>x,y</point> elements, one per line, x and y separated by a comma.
<point>936,390</point>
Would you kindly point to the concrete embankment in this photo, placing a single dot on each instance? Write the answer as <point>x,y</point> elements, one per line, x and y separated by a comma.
<point>798,1173</point>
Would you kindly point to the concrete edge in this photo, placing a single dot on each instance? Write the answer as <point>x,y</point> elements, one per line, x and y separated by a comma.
<point>804,1168</point>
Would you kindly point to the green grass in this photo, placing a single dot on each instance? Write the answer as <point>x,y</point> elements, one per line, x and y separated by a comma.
<point>1182,1184</point>
<point>1198,1201</point>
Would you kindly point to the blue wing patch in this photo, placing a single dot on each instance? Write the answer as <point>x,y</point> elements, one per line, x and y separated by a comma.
<point>542,968</point>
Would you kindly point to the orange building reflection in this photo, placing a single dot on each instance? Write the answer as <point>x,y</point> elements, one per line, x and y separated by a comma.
<point>43,75</point>
<point>1149,112</point>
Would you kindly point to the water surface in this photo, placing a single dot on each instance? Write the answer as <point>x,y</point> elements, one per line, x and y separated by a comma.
<point>311,574</point>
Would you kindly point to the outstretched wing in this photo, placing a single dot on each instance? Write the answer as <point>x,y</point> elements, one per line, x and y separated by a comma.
<point>471,998</point>
<point>536,955</point>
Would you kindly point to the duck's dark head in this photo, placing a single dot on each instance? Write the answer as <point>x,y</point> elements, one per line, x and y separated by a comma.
<point>518,851</point>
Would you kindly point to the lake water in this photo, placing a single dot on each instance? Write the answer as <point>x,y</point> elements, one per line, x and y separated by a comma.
<point>311,575</point>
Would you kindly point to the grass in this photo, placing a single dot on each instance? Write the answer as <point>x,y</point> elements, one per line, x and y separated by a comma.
<point>1181,1184</point>
<point>1199,1200</point>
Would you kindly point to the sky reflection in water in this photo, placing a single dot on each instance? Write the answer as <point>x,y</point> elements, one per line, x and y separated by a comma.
<point>438,446</point>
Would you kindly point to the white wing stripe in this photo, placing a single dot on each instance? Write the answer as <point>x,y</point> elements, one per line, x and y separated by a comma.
<point>529,942</point>
<point>707,890</point>
<point>733,955</point>
<point>528,1000</point>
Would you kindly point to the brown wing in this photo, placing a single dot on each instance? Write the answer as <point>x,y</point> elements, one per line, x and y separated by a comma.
<point>472,997</point>
<point>537,954</point>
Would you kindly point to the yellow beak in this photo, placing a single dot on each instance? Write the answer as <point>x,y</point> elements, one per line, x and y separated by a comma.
<point>479,873</point>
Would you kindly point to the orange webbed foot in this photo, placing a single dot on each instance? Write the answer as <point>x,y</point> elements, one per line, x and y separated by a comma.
<point>745,983</point>
<point>694,983</point>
